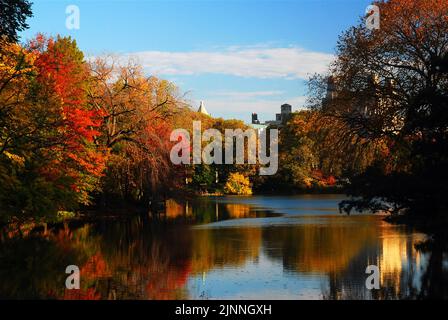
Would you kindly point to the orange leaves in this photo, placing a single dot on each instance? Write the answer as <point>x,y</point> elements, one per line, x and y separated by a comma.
<point>412,19</point>
<point>81,294</point>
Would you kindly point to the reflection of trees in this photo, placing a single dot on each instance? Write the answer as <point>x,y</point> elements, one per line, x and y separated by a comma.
<point>214,248</point>
<point>34,268</point>
<point>191,211</point>
<point>209,210</point>
<point>398,262</point>
<point>238,211</point>
<point>153,260</point>
<point>146,259</point>
<point>132,259</point>
<point>435,278</point>
<point>315,248</point>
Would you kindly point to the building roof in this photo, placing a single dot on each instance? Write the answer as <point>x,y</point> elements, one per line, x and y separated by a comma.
<point>202,109</point>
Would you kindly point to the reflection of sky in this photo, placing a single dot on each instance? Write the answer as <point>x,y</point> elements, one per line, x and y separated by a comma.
<point>262,279</point>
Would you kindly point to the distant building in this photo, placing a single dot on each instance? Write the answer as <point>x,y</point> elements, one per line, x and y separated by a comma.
<point>285,113</point>
<point>255,118</point>
<point>202,109</point>
<point>280,118</point>
<point>370,104</point>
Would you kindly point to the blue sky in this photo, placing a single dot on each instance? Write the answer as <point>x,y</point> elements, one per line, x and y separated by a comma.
<point>238,57</point>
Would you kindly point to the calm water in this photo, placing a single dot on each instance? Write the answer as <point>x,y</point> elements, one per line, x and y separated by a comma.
<point>222,248</point>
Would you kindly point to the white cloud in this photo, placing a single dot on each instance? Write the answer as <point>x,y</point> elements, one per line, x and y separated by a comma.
<point>247,94</point>
<point>258,62</point>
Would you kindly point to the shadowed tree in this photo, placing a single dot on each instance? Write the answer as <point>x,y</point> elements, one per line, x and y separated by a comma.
<point>13,15</point>
<point>390,87</point>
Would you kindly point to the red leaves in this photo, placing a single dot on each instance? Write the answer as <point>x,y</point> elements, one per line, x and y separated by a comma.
<point>82,124</point>
<point>63,75</point>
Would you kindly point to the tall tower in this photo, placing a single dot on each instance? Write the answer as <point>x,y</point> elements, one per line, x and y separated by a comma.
<point>331,93</point>
<point>331,89</point>
<point>202,109</point>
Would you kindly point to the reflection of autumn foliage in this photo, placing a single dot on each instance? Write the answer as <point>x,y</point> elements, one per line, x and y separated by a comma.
<point>166,285</point>
<point>81,294</point>
<point>322,248</point>
<point>138,262</point>
<point>138,259</point>
<point>214,248</point>
<point>174,209</point>
<point>95,268</point>
<point>237,210</point>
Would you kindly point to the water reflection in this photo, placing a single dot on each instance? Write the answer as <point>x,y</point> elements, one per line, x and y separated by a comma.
<point>208,210</point>
<point>212,248</point>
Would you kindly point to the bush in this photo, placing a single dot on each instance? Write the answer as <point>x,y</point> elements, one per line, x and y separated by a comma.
<point>237,184</point>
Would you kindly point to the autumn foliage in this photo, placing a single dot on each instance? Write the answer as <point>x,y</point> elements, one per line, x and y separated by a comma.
<point>72,129</point>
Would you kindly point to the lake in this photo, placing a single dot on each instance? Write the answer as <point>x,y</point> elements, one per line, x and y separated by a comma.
<point>259,247</point>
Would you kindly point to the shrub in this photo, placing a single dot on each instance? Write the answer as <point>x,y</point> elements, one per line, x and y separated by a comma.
<point>237,184</point>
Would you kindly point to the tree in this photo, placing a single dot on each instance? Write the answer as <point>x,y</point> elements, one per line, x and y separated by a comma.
<point>225,170</point>
<point>63,73</point>
<point>48,161</point>
<point>13,17</point>
<point>391,89</point>
<point>26,128</point>
<point>136,110</point>
<point>307,156</point>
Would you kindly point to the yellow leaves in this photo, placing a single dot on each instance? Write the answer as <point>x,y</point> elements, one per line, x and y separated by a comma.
<point>15,64</point>
<point>238,184</point>
<point>308,182</point>
<point>12,54</point>
<point>15,158</point>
